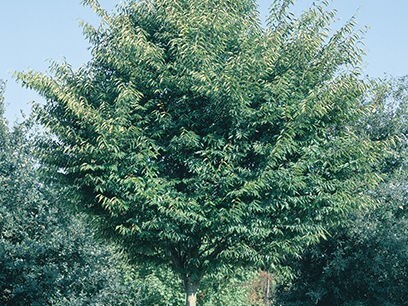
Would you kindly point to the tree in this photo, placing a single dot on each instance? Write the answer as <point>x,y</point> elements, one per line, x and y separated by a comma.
<point>48,256</point>
<point>201,140</point>
<point>365,262</point>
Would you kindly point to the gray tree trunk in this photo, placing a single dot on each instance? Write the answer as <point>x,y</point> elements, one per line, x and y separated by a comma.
<point>191,292</point>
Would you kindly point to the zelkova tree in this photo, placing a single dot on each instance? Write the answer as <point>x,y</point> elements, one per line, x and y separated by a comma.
<point>202,140</point>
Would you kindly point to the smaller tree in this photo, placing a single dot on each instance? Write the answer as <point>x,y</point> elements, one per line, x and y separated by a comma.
<point>48,256</point>
<point>365,262</point>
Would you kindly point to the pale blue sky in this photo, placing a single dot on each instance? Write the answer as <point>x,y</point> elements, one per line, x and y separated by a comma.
<point>34,32</point>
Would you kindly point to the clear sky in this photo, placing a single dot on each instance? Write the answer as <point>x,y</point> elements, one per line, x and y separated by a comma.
<point>34,32</point>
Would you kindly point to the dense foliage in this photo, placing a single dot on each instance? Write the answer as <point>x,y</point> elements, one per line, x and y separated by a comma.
<point>365,262</point>
<point>50,256</point>
<point>202,140</point>
<point>47,255</point>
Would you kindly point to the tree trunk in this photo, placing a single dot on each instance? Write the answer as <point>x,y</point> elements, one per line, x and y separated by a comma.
<point>267,296</point>
<point>267,287</point>
<point>191,292</point>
